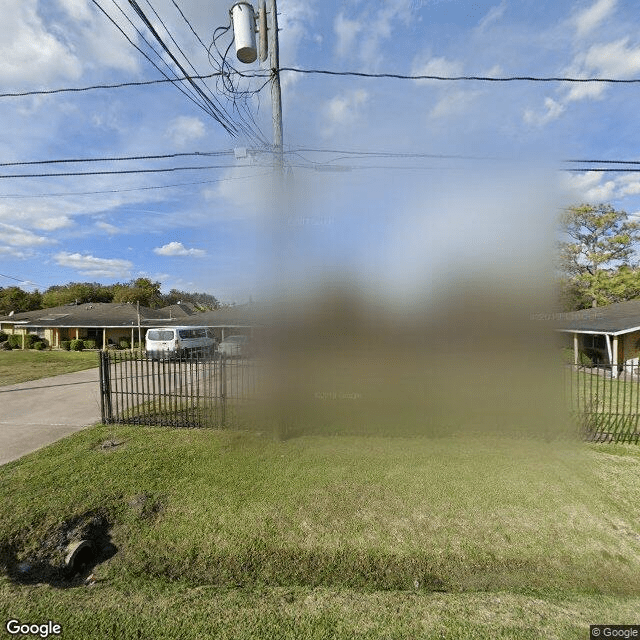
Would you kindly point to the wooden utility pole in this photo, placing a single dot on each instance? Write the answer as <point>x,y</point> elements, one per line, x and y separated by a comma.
<point>276,93</point>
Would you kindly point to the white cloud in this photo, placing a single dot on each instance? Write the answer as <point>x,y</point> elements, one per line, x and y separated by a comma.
<point>452,100</point>
<point>494,14</point>
<point>584,92</point>
<point>52,223</point>
<point>344,109</point>
<point>77,9</point>
<point>28,52</point>
<point>17,237</point>
<point>362,38</point>
<point>610,60</point>
<point>109,228</point>
<point>629,184</point>
<point>586,21</point>
<point>346,32</point>
<point>89,265</point>
<point>380,28</point>
<point>614,59</point>
<point>184,129</point>
<point>589,187</point>
<point>454,103</point>
<point>435,67</point>
<point>246,192</point>
<point>552,111</point>
<point>14,253</point>
<point>178,249</point>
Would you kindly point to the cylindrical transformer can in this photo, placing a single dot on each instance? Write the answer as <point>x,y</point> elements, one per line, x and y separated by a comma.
<point>244,32</point>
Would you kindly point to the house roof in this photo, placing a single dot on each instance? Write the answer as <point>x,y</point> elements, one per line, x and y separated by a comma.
<point>109,314</point>
<point>180,310</point>
<point>240,316</point>
<point>618,318</point>
<point>90,314</point>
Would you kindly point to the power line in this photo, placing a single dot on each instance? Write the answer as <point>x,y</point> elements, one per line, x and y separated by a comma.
<point>120,158</point>
<point>94,87</point>
<point>603,162</point>
<point>187,77</point>
<point>345,154</point>
<point>217,112</point>
<point>398,76</point>
<point>133,44</point>
<point>4,275</point>
<point>602,169</point>
<point>119,172</point>
<point>105,191</point>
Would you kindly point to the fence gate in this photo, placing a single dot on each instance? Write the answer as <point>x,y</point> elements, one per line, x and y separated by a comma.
<point>186,391</point>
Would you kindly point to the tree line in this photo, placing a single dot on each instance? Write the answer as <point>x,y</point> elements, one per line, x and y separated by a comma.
<point>141,290</point>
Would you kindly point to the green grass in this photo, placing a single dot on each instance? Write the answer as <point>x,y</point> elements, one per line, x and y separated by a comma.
<point>235,535</point>
<point>21,366</point>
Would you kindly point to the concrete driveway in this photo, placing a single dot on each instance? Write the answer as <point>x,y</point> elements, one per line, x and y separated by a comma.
<point>37,413</point>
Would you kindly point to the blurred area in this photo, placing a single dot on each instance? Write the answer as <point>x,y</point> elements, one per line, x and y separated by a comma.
<point>450,346</point>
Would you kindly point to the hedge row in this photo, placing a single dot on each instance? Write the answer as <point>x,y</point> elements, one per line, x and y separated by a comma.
<point>31,341</point>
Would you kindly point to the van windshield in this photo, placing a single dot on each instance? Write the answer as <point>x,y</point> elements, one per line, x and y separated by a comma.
<point>159,334</point>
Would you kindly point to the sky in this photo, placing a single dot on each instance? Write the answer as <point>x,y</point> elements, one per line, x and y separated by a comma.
<point>398,224</point>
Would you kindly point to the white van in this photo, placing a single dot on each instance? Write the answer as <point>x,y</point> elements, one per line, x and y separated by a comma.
<point>179,341</point>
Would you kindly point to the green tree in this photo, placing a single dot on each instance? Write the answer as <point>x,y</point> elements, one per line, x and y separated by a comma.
<point>200,300</point>
<point>16,300</point>
<point>596,258</point>
<point>141,290</point>
<point>79,292</point>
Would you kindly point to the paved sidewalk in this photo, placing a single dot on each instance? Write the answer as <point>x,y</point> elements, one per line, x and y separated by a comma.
<point>36,413</point>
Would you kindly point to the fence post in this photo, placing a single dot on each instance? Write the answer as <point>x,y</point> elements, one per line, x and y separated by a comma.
<point>106,412</point>
<point>223,389</point>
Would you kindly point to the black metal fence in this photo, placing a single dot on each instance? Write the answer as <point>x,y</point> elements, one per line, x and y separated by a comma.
<point>605,404</point>
<point>211,390</point>
<point>195,390</point>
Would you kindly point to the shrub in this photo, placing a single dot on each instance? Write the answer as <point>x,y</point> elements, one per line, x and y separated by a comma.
<point>39,346</point>
<point>29,340</point>
<point>124,343</point>
<point>77,344</point>
<point>65,344</point>
<point>15,341</point>
<point>89,344</point>
<point>3,336</point>
<point>5,346</point>
<point>584,359</point>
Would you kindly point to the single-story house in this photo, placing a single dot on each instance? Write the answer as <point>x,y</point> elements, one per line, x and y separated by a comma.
<point>107,322</point>
<point>608,335</point>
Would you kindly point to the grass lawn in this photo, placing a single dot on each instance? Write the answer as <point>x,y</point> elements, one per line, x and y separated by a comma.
<point>21,366</point>
<point>234,535</point>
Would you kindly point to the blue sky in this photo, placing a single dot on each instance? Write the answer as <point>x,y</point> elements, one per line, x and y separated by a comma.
<point>396,223</point>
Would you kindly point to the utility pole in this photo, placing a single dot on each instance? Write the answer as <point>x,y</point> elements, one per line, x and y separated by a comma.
<point>276,93</point>
<point>244,27</point>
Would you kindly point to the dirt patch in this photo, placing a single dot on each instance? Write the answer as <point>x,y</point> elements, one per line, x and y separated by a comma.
<point>66,556</point>
<point>111,445</point>
<point>147,506</point>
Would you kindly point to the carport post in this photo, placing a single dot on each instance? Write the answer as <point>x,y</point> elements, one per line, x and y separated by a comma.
<point>575,349</point>
<point>614,360</point>
<point>104,338</point>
